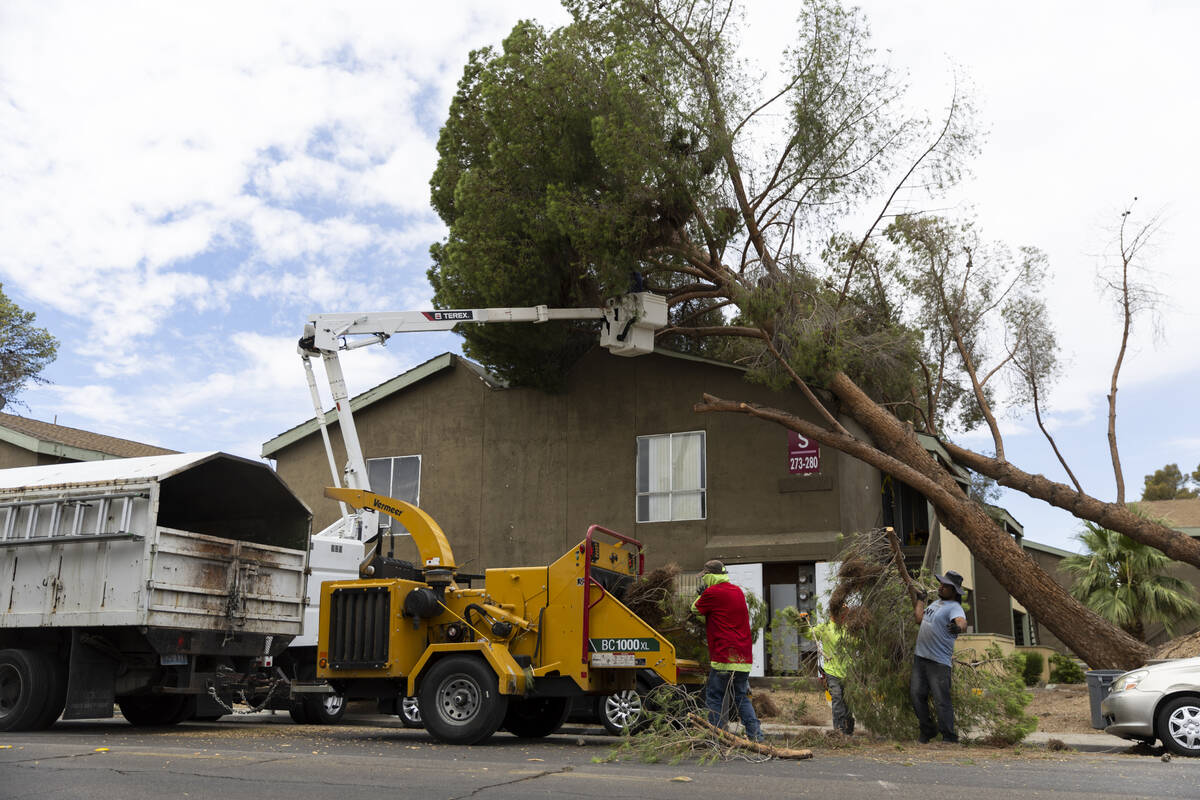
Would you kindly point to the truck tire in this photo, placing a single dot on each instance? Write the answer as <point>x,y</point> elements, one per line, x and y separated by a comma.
<point>157,710</point>
<point>409,711</point>
<point>534,718</point>
<point>324,709</point>
<point>56,695</point>
<point>27,686</point>
<point>298,711</point>
<point>460,701</point>
<point>1178,725</point>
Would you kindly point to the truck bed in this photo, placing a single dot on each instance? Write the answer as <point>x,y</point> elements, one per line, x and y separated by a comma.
<point>96,552</point>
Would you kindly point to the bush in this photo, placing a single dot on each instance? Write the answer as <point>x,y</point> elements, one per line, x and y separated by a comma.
<point>1032,669</point>
<point>1064,669</point>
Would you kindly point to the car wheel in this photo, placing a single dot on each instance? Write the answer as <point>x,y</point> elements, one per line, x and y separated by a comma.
<point>460,702</point>
<point>535,718</point>
<point>622,712</point>
<point>1178,726</point>
<point>410,712</point>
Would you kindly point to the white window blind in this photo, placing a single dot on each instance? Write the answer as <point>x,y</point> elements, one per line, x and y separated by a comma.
<point>671,477</point>
<point>398,477</point>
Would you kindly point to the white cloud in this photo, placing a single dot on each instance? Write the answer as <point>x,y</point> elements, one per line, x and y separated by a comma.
<point>187,183</point>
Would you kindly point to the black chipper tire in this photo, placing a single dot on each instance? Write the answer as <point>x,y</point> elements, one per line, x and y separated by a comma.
<point>460,701</point>
<point>535,718</point>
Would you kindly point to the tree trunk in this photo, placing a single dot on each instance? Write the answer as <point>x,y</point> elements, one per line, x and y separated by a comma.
<point>1098,642</point>
<point>1113,516</point>
<point>897,452</point>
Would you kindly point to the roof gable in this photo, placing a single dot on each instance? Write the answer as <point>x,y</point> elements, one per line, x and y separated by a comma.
<point>72,443</point>
<point>1180,514</point>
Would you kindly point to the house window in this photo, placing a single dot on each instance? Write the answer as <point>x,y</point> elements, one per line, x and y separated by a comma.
<point>671,476</point>
<point>398,477</point>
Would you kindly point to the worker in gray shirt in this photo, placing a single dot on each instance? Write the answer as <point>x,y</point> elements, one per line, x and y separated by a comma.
<point>941,622</point>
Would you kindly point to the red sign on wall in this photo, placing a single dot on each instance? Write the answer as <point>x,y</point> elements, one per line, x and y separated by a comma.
<point>804,455</point>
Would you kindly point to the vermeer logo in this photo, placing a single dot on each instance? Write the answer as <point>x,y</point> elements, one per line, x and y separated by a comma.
<point>382,506</point>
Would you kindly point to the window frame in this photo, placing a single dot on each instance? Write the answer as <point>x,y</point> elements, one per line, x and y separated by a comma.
<point>385,520</point>
<point>671,493</point>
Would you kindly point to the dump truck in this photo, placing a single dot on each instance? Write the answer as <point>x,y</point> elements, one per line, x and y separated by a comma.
<point>513,652</point>
<point>163,585</point>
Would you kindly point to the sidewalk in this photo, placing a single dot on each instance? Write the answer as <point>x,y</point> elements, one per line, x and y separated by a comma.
<point>1098,742</point>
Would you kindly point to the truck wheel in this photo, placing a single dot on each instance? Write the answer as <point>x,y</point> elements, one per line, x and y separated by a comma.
<point>460,701</point>
<point>1178,726</point>
<point>26,688</point>
<point>410,712</point>
<point>298,711</point>
<point>536,717</point>
<point>56,696</point>
<point>157,710</point>
<point>325,709</point>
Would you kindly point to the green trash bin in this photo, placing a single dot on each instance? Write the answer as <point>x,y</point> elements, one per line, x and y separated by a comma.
<point>1099,682</point>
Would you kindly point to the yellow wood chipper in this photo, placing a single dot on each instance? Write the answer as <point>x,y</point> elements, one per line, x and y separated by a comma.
<point>511,654</point>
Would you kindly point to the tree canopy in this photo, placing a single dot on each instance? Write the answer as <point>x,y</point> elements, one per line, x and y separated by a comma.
<point>24,350</point>
<point>1127,582</point>
<point>637,140</point>
<point>1169,483</point>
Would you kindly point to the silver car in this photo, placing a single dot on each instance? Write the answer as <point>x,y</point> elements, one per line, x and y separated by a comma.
<point>1158,701</point>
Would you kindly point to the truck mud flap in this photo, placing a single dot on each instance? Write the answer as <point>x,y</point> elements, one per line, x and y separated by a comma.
<point>91,680</point>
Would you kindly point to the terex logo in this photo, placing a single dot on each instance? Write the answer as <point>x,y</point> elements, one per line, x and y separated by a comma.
<point>442,316</point>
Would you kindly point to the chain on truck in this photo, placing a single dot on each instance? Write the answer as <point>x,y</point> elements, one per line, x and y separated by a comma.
<point>513,652</point>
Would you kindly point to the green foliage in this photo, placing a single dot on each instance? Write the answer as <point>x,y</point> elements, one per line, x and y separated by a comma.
<point>1032,666</point>
<point>632,140</point>
<point>989,693</point>
<point>1126,582</point>
<point>1169,483</point>
<point>24,350</point>
<point>1064,669</point>
<point>990,696</point>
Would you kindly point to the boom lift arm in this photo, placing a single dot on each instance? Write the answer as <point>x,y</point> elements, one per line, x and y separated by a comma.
<point>628,327</point>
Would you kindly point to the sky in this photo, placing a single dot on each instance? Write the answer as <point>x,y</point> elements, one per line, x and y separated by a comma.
<point>182,185</point>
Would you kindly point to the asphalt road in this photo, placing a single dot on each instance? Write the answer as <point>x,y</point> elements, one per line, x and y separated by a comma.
<point>267,757</point>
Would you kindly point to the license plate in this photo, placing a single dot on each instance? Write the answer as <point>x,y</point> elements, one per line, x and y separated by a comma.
<point>617,660</point>
<point>173,660</point>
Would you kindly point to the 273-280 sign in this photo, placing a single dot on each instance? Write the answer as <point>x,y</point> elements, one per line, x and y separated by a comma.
<point>804,455</point>
<point>640,645</point>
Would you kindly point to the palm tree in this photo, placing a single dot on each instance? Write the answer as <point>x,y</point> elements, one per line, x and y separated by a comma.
<point>1125,582</point>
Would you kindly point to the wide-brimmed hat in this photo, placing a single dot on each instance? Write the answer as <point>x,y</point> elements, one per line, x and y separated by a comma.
<point>953,580</point>
<point>713,567</point>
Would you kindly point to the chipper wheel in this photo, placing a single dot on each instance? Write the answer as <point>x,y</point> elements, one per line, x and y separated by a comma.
<point>537,717</point>
<point>460,702</point>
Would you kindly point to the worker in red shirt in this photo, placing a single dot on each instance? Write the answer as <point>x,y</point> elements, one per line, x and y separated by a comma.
<point>727,625</point>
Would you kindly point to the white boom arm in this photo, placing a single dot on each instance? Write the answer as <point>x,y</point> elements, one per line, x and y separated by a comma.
<point>628,327</point>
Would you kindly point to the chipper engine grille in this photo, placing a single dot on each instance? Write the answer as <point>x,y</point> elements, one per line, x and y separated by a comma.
<point>358,627</point>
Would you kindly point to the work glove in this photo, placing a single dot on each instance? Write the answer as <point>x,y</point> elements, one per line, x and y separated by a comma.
<point>952,627</point>
<point>920,594</point>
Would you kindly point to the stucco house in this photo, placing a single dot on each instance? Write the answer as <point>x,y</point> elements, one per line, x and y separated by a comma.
<point>516,476</point>
<point>28,442</point>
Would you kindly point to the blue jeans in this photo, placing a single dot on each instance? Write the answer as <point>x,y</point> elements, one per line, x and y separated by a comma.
<point>929,678</point>
<point>726,690</point>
